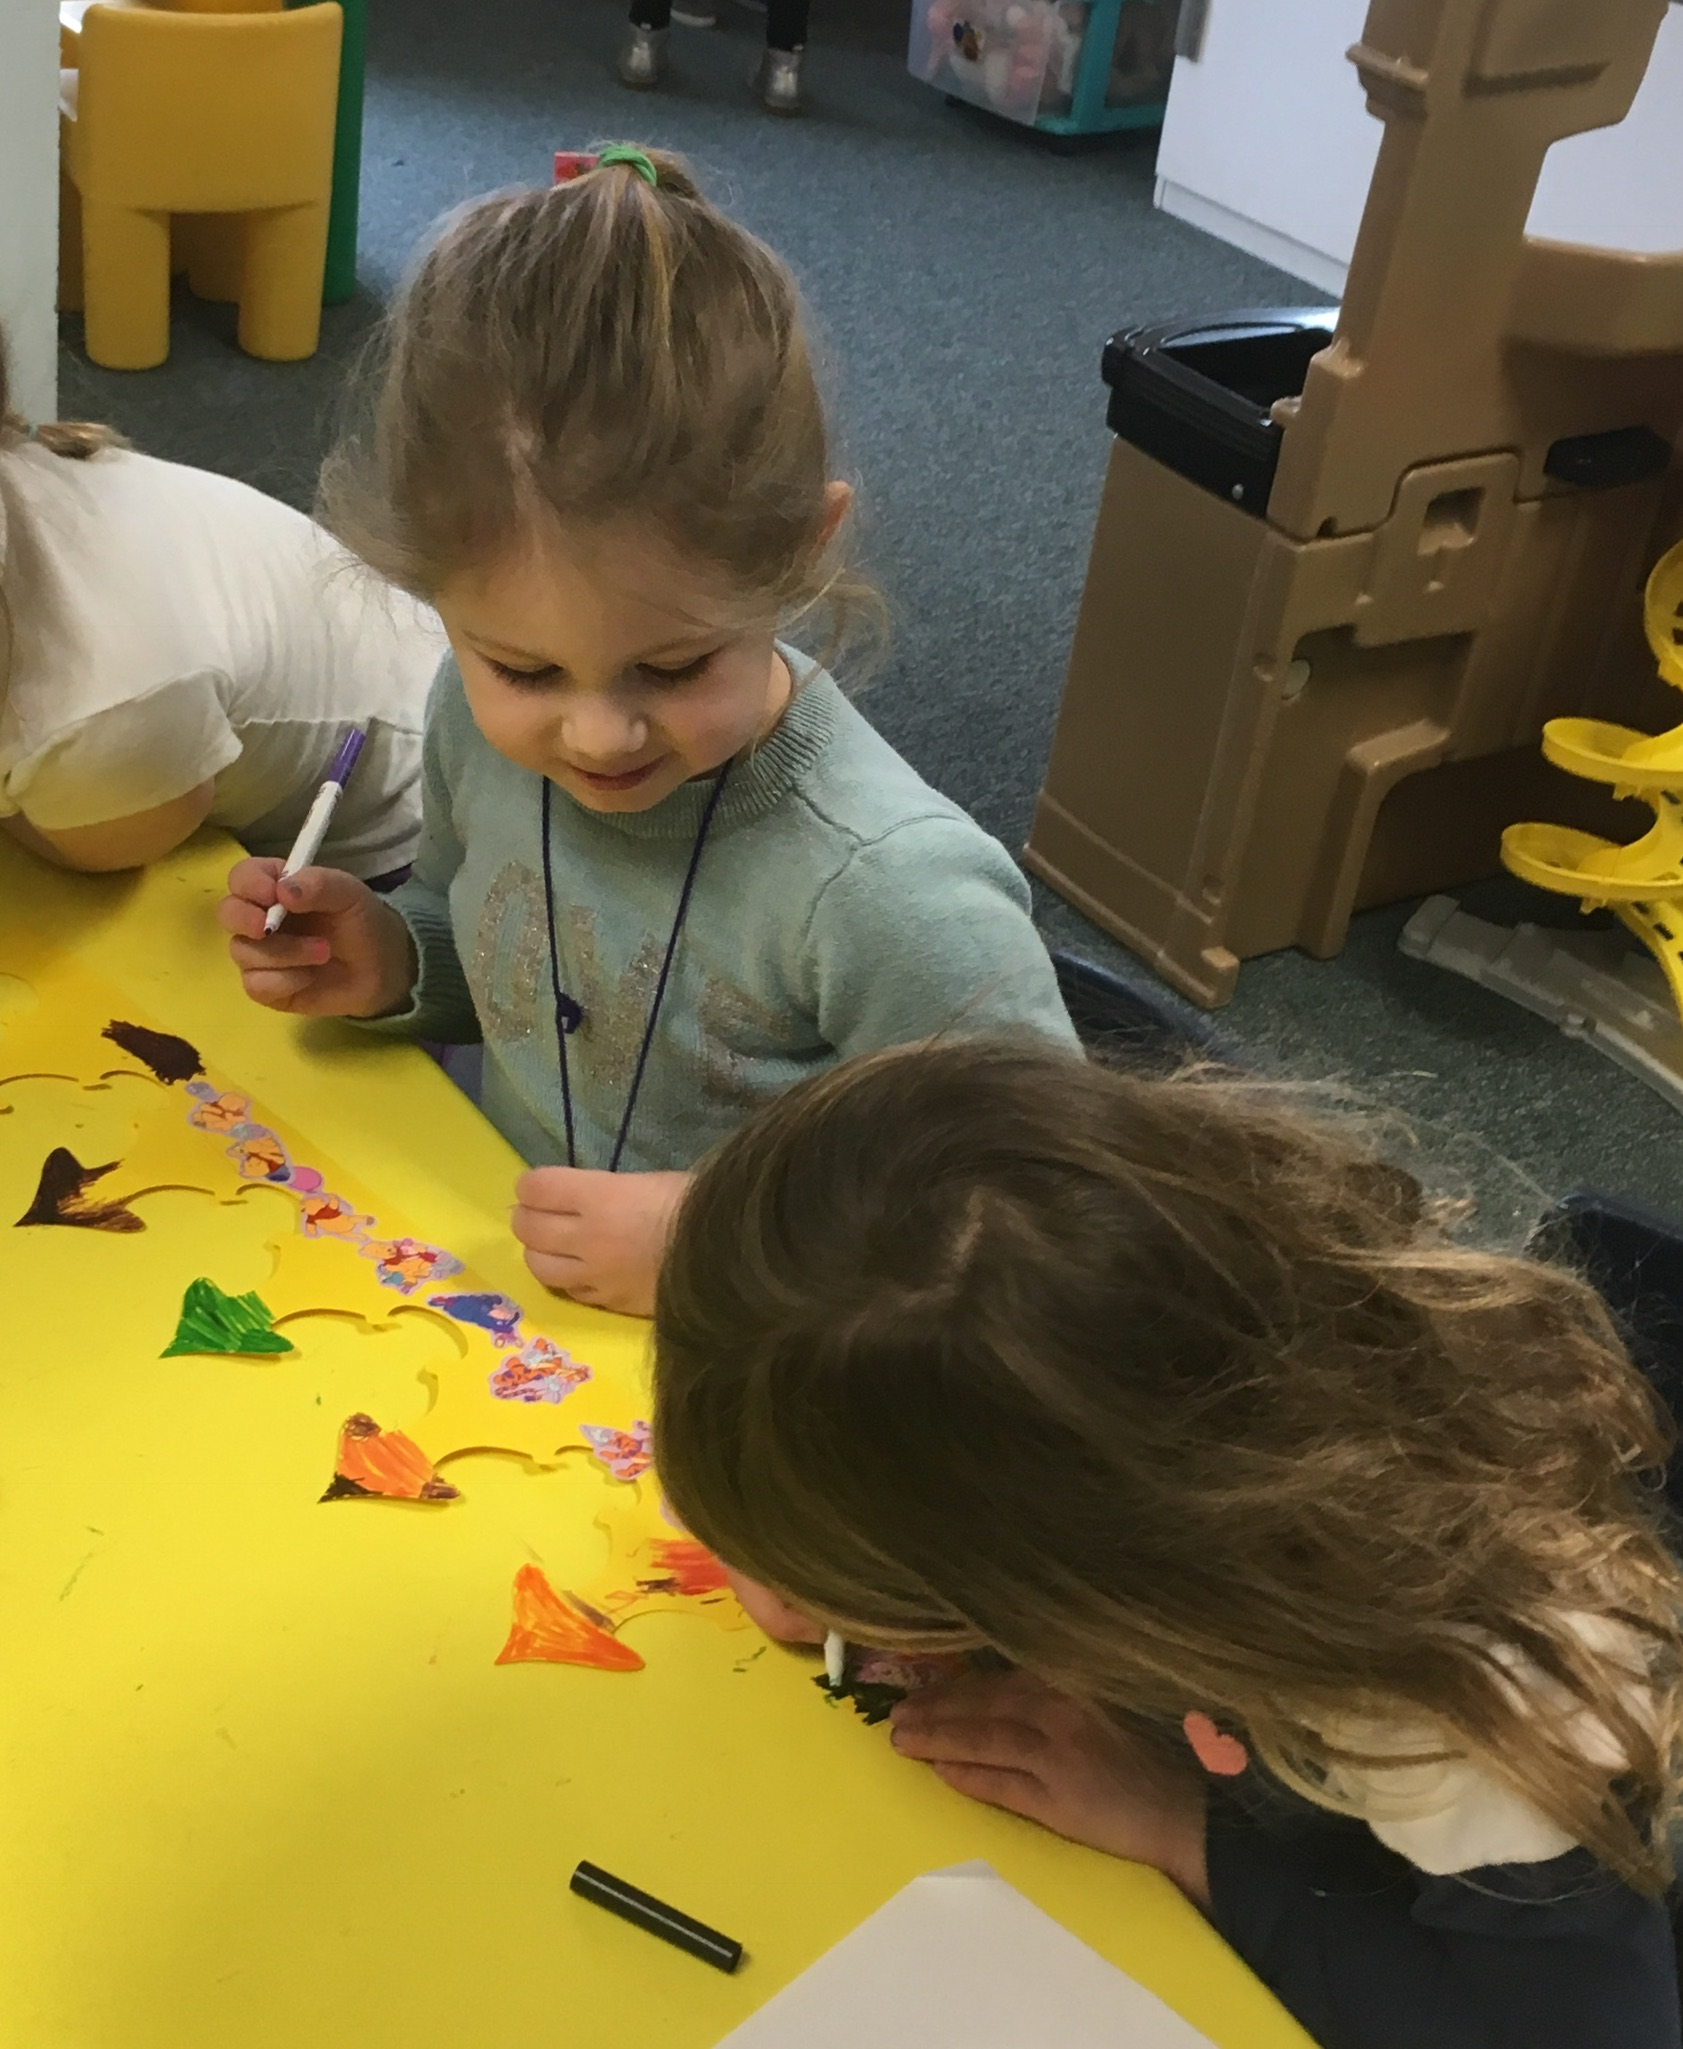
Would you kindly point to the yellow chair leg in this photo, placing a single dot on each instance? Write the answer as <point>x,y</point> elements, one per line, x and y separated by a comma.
<point>125,270</point>
<point>285,258</point>
<point>69,246</point>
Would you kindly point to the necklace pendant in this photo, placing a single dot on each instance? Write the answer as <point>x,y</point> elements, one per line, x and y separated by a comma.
<point>568,1014</point>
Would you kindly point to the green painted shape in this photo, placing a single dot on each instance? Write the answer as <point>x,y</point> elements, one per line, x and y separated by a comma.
<point>339,280</point>
<point>214,1322</point>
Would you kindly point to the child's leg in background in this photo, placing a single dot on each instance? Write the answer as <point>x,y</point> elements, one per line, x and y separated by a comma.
<point>777,82</point>
<point>642,56</point>
<point>786,22</point>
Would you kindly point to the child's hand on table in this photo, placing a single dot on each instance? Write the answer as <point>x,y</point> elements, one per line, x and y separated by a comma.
<point>1012,1741</point>
<point>342,952</point>
<point>595,1236</point>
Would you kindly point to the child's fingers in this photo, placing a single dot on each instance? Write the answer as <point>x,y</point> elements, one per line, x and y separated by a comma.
<point>558,1190</point>
<point>282,990</point>
<point>1017,1792</point>
<point>283,950</point>
<point>320,892</point>
<point>254,879</point>
<point>966,1739</point>
<point>241,916</point>
<point>561,1271</point>
<point>547,1231</point>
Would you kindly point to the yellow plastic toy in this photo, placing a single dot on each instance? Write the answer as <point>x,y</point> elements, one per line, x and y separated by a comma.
<point>1641,883</point>
<point>227,118</point>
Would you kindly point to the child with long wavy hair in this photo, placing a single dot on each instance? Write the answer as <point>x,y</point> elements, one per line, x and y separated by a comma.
<point>1327,1556</point>
<point>666,868</point>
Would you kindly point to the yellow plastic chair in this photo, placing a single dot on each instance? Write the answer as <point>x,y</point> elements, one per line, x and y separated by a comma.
<point>70,13</point>
<point>207,115</point>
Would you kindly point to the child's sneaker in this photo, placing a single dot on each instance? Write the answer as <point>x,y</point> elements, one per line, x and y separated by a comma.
<point>642,57</point>
<point>777,81</point>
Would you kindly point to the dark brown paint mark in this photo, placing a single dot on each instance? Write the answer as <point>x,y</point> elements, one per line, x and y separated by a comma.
<point>61,1197</point>
<point>170,1058</point>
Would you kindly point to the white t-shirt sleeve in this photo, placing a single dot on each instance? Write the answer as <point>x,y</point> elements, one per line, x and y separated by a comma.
<point>129,757</point>
<point>1456,1814</point>
<point>1455,1817</point>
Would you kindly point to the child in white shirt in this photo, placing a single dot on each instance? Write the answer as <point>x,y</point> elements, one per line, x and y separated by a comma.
<point>176,649</point>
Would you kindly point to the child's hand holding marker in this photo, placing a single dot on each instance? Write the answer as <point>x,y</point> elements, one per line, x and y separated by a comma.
<point>343,952</point>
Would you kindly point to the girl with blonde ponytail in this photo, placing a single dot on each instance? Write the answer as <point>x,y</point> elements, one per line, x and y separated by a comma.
<point>667,868</point>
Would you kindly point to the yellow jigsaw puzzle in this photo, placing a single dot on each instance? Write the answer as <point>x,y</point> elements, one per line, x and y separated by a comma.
<point>122,1114</point>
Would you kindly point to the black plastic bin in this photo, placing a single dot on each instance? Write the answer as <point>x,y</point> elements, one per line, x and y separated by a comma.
<point>1197,394</point>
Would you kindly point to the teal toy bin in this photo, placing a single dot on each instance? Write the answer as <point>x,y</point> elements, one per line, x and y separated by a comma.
<point>1068,67</point>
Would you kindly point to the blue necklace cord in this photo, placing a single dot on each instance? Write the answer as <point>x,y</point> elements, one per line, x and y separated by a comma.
<point>568,1015</point>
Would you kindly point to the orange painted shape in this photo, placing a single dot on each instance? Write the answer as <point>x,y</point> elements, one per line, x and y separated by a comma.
<point>682,1566</point>
<point>548,1630</point>
<point>384,1463</point>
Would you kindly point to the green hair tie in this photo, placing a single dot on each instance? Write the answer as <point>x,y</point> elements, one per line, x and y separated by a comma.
<point>639,160</point>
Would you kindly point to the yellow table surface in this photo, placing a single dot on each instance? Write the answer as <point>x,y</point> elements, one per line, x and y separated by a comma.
<point>262,1785</point>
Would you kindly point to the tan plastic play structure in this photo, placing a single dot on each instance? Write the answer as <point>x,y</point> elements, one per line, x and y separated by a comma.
<point>1271,722</point>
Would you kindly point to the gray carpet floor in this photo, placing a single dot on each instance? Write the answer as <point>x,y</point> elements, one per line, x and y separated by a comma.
<point>963,278</point>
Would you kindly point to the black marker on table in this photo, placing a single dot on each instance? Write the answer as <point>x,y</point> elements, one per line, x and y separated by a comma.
<point>654,1917</point>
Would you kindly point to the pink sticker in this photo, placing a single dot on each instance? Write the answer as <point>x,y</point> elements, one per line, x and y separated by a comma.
<point>625,1453</point>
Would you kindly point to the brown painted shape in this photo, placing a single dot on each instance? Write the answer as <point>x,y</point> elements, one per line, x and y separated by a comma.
<point>170,1058</point>
<point>61,1197</point>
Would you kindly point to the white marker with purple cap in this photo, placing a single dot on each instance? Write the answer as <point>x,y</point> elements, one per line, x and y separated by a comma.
<point>319,817</point>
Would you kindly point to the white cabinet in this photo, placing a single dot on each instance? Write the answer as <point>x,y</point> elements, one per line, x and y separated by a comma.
<point>29,199</point>
<point>1268,143</point>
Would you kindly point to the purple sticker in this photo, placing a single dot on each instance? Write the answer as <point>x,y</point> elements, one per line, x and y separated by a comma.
<point>495,1313</point>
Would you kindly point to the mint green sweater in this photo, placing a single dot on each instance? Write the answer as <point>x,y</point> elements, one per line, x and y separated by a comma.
<point>841,906</point>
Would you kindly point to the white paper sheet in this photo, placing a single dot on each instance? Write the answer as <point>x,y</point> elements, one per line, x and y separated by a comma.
<point>961,1960</point>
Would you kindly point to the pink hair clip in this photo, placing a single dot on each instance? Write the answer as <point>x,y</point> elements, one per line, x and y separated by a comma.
<point>571,164</point>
